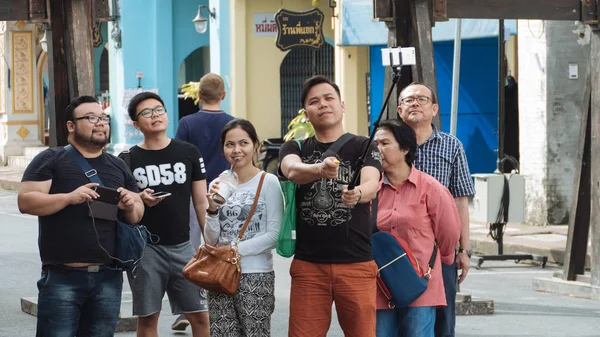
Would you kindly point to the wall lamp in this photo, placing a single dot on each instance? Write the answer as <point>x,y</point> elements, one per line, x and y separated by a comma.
<point>201,21</point>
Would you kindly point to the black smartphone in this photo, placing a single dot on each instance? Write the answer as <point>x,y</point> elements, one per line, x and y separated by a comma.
<point>107,195</point>
<point>160,194</point>
<point>105,206</point>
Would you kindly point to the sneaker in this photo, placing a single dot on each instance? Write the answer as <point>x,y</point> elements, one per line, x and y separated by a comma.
<point>180,323</point>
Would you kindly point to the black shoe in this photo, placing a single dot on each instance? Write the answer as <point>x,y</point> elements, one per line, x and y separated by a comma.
<point>180,323</point>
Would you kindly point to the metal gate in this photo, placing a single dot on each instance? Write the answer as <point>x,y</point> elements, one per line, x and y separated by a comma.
<point>298,65</point>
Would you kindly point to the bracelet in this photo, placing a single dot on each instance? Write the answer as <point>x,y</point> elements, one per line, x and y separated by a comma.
<point>359,195</point>
<point>215,212</point>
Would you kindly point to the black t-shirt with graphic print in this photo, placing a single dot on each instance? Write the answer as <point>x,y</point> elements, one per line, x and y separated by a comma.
<point>172,169</point>
<point>327,231</point>
<point>68,236</point>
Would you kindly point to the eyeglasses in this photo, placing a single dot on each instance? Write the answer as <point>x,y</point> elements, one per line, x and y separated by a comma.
<point>410,100</point>
<point>147,113</point>
<point>95,119</point>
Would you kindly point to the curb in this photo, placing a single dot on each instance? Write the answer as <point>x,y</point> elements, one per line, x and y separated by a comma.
<point>487,246</point>
<point>9,185</point>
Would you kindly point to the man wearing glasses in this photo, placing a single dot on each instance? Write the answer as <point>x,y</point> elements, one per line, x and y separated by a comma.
<point>80,288</point>
<point>442,156</point>
<point>176,170</point>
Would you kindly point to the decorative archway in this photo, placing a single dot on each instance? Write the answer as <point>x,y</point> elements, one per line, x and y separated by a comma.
<point>193,67</point>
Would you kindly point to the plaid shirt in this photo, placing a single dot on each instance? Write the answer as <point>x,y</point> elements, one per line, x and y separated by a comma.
<point>443,157</point>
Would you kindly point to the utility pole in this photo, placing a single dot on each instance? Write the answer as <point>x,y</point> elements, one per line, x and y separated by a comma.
<point>70,61</point>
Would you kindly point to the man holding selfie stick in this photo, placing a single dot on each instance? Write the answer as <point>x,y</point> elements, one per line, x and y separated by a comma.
<point>168,172</point>
<point>80,287</point>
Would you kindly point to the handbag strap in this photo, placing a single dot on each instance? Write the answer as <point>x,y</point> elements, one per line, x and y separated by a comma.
<point>374,207</point>
<point>87,169</point>
<point>262,179</point>
<point>336,146</point>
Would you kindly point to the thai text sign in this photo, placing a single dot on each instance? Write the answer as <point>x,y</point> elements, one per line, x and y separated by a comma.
<point>297,29</point>
<point>264,24</point>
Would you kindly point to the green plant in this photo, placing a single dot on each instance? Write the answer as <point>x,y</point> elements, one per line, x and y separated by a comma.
<point>190,90</point>
<point>299,127</point>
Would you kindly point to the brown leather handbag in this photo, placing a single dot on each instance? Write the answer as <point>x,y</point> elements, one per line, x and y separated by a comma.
<point>217,269</point>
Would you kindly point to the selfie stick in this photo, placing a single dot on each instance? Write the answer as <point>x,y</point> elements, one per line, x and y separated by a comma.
<point>396,58</point>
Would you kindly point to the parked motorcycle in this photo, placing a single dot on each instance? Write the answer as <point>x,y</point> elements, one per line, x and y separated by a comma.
<point>268,155</point>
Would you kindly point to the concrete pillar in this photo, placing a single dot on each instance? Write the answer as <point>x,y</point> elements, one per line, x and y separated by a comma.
<point>238,92</point>
<point>595,168</point>
<point>352,80</point>
<point>550,106</point>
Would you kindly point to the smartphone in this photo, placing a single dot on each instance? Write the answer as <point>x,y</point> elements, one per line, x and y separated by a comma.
<point>105,206</point>
<point>160,194</point>
<point>107,195</point>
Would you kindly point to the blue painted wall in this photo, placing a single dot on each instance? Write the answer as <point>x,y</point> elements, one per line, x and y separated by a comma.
<point>478,96</point>
<point>98,53</point>
<point>157,36</point>
<point>185,39</point>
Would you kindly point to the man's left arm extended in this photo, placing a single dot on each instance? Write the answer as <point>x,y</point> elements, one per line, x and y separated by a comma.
<point>366,191</point>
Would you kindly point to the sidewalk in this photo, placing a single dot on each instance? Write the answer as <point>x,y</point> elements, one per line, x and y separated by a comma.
<point>518,238</point>
<point>550,241</point>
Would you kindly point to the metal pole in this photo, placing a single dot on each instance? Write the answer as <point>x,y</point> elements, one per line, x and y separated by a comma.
<point>455,77</point>
<point>501,78</point>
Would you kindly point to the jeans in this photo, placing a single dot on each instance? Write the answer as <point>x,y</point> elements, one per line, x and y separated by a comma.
<point>75,301</point>
<point>446,316</point>
<point>406,322</point>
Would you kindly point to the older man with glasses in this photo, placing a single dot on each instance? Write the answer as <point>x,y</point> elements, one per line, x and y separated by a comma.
<point>442,156</point>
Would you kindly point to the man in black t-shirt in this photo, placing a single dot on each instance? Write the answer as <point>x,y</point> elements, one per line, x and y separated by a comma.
<point>80,289</point>
<point>162,164</point>
<point>333,260</point>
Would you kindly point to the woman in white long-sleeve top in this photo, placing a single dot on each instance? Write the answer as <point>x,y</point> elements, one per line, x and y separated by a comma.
<point>248,313</point>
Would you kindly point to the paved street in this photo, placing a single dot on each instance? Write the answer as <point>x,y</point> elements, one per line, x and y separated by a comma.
<point>519,311</point>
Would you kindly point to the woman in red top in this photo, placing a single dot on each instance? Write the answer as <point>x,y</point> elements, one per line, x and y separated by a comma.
<point>418,209</point>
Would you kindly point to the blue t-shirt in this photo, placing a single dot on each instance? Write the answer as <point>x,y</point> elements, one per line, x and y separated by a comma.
<point>203,129</point>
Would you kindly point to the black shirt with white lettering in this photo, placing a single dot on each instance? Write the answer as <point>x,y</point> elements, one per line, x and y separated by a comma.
<point>172,169</point>
<point>327,230</point>
<point>68,235</point>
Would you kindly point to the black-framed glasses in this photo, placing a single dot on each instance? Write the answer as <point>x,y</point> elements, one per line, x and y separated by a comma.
<point>95,119</point>
<point>147,113</point>
<point>421,99</point>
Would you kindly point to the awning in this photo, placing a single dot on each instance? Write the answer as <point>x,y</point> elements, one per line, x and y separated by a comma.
<point>359,29</point>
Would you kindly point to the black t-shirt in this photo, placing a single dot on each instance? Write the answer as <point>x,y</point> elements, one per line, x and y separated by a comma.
<point>327,231</point>
<point>172,169</point>
<point>68,235</point>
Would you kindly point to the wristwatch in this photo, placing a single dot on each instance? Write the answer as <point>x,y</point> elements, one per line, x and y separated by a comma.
<point>469,252</point>
<point>212,213</point>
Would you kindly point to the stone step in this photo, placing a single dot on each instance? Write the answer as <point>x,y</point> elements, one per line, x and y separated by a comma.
<point>567,288</point>
<point>587,278</point>
<point>461,297</point>
<point>32,151</point>
<point>126,321</point>
<point>474,307</point>
<point>18,161</point>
